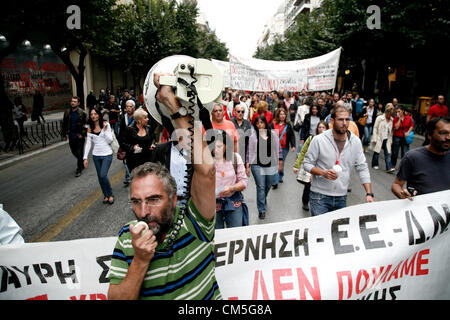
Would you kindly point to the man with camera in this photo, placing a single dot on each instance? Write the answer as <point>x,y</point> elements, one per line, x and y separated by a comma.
<point>174,258</point>
<point>426,169</point>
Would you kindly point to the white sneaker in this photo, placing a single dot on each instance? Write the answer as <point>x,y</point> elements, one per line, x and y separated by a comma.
<point>376,167</point>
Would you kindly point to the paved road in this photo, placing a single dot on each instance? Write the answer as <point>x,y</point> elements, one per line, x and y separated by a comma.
<point>41,193</point>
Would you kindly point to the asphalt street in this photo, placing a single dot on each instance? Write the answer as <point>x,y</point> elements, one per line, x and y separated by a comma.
<point>42,194</point>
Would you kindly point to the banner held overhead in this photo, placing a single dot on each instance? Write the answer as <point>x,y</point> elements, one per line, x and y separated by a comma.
<point>314,74</point>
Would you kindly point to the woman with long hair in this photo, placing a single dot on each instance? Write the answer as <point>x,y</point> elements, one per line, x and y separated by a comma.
<point>310,123</point>
<point>264,158</point>
<point>286,137</point>
<point>230,181</point>
<point>99,134</point>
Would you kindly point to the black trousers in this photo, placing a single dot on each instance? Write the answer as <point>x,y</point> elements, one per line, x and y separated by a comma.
<point>77,148</point>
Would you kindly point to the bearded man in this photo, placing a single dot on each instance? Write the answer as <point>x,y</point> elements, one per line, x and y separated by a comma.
<point>330,159</point>
<point>174,258</point>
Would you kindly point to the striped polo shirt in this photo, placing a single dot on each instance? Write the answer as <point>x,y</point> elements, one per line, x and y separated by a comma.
<point>184,271</point>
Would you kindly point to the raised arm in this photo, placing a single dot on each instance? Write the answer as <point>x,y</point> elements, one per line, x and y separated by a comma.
<point>204,179</point>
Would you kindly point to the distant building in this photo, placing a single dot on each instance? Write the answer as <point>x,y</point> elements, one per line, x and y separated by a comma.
<point>295,7</point>
<point>273,28</point>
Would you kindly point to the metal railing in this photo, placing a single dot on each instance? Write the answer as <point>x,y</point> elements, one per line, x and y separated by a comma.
<point>42,134</point>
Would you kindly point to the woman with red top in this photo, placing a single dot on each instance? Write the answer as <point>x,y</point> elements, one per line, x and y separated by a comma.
<point>261,110</point>
<point>286,137</point>
<point>402,126</point>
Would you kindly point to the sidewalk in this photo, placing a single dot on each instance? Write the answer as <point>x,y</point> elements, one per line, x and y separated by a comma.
<point>9,158</point>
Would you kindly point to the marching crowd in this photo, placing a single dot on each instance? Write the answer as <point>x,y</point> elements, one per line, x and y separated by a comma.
<point>253,134</point>
<point>256,132</point>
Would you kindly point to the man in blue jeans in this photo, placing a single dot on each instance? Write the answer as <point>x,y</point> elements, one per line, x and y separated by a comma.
<point>330,159</point>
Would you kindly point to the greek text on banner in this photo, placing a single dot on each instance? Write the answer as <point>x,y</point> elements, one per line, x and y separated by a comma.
<point>384,250</point>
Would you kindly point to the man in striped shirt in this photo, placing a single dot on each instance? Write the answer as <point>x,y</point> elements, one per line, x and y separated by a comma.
<point>174,259</point>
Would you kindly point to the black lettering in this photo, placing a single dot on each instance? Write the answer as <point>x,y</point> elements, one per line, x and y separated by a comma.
<point>383,297</point>
<point>25,273</point>
<point>101,261</point>
<point>419,228</point>
<point>218,254</point>
<point>49,271</point>
<point>301,242</point>
<point>283,253</point>
<point>438,220</point>
<point>336,235</point>
<point>71,274</point>
<point>366,232</point>
<point>233,251</point>
<point>392,292</point>
<point>254,248</point>
<point>9,277</point>
<point>269,245</point>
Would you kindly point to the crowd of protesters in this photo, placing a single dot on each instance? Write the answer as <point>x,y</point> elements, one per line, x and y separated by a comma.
<point>258,129</point>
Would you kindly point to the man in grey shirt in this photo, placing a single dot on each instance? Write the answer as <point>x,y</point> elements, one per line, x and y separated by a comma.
<point>330,159</point>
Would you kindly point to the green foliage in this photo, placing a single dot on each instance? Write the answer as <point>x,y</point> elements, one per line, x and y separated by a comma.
<point>409,26</point>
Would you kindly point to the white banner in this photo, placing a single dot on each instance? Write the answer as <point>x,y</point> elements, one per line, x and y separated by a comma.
<point>318,73</point>
<point>225,67</point>
<point>385,250</point>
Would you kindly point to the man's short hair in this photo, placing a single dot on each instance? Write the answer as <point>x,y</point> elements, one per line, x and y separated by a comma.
<point>131,102</point>
<point>78,98</point>
<point>148,168</point>
<point>218,105</point>
<point>431,125</point>
<point>338,108</point>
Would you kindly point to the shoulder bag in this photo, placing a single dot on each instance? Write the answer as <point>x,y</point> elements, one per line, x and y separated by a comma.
<point>303,176</point>
<point>362,121</point>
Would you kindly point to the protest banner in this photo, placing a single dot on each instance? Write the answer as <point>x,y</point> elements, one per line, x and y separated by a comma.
<point>384,250</point>
<point>314,74</point>
<point>224,66</point>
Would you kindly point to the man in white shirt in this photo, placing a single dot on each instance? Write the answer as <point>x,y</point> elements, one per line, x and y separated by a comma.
<point>173,156</point>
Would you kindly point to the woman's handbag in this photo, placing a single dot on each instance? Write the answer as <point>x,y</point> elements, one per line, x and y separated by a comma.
<point>303,176</point>
<point>114,144</point>
<point>363,120</point>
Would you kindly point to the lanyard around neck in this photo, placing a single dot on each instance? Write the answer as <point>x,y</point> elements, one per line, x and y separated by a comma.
<point>338,151</point>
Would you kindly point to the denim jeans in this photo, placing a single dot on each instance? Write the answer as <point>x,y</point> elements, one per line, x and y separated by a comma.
<point>127,171</point>
<point>279,176</point>
<point>368,129</point>
<point>320,203</point>
<point>397,143</point>
<point>102,164</point>
<point>231,219</point>
<point>263,183</point>
<point>387,156</point>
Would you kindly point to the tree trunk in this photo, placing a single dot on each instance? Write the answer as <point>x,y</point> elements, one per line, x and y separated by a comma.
<point>78,75</point>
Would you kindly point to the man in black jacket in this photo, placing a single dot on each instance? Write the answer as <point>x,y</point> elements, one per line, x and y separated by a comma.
<point>74,126</point>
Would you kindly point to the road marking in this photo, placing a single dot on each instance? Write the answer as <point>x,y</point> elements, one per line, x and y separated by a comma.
<point>52,231</point>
